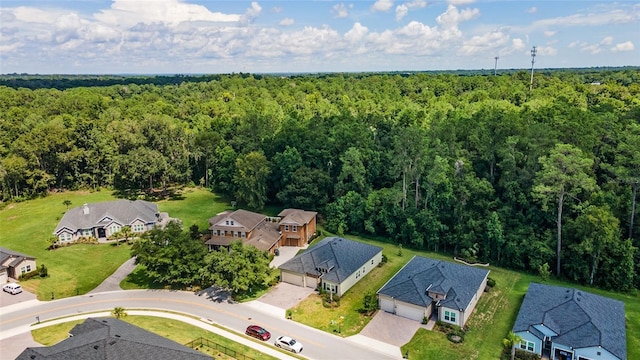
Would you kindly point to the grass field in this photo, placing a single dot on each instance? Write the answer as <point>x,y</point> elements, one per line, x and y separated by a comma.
<point>175,330</point>
<point>27,225</point>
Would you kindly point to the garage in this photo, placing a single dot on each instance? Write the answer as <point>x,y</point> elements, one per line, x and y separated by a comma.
<point>410,311</point>
<point>292,278</point>
<point>387,304</point>
<point>3,277</point>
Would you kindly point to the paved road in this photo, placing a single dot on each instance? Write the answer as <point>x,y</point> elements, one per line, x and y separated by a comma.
<point>17,319</point>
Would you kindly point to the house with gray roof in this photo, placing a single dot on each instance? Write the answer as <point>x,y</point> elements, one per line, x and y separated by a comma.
<point>101,220</point>
<point>569,324</point>
<point>13,264</point>
<point>426,287</point>
<point>109,338</point>
<point>334,264</point>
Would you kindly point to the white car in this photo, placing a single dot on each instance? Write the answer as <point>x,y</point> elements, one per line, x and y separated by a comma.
<point>287,343</point>
<point>12,288</point>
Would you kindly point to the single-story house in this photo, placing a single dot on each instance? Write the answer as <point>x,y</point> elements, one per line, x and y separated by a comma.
<point>297,226</point>
<point>292,227</point>
<point>101,220</point>
<point>569,324</point>
<point>333,264</point>
<point>13,264</point>
<point>427,287</point>
<point>109,338</point>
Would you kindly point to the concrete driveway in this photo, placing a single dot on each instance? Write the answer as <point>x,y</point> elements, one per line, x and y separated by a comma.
<point>391,329</point>
<point>7,299</point>
<point>285,296</point>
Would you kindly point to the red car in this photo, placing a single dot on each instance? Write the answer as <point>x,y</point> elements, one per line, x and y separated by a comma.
<point>258,332</point>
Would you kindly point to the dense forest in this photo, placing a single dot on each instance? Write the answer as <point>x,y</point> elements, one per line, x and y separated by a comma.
<point>474,165</point>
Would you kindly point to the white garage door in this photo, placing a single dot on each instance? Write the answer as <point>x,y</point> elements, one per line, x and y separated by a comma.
<point>292,278</point>
<point>410,312</point>
<point>3,278</point>
<point>386,304</point>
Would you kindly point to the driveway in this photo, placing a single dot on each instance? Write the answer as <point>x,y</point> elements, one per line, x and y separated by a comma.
<point>285,296</point>
<point>391,329</point>
<point>7,299</point>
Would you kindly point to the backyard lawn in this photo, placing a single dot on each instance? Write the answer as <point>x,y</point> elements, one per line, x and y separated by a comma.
<point>26,227</point>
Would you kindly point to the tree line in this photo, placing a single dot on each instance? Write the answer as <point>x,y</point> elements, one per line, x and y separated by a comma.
<point>477,166</point>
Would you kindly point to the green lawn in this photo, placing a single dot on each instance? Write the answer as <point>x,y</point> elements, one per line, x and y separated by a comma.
<point>494,316</point>
<point>175,330</point>
<point>27,225</point>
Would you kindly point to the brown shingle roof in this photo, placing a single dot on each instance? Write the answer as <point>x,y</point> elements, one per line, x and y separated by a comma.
<point>296,216</point>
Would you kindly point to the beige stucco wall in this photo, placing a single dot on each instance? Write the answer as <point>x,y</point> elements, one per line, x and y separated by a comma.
<point>364,270</point>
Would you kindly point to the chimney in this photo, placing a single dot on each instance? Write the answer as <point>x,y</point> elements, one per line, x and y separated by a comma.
<point>85,209</point>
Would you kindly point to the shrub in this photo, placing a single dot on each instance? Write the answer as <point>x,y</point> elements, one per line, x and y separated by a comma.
<point>44,272</point>
<point>369,303</point>
<point>29,275</point>
<point>491,282</point>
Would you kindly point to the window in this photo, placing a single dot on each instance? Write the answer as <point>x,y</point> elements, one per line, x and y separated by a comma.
<point>138,228</point>
<point>231,222</point>
<point>527,345</point>
<point>286,228</point>
<point>243,234</point>
<point>450,316</point>
<point>294,228</point>
<point>23,270</point>
<point>227,222</point>
<point>371,261</point>
<point>235,234</point>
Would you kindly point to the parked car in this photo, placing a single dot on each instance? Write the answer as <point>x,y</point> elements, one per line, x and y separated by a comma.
<point>12,288</point>
<point>287,343</point>
<point>258,332</point>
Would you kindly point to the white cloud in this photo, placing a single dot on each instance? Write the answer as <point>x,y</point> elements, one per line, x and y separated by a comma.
<point>549,33</point>
<point>625,46</point>
<point>483,43</point>
<point>415,4</point>
<point>382,5</point>
<point>276,9</point>
<point>401,11</point>
<point>286,22</point>
<point>546,51</point>
<point>460,2</point>
<point>532,10</point>
<point>251,13</point>
<point>452,17</point>
<point>126,13</point>
<point>517,44</point>
<point>356,33</point>
<point>340,10</point>
<point>615,16</point>
<point>608,40</point>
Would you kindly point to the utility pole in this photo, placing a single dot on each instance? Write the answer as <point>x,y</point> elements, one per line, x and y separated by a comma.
<point>495,68</point>
<point>533,60</point>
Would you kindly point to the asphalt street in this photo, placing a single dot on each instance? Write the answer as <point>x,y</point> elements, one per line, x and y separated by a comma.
<point>18,318</point>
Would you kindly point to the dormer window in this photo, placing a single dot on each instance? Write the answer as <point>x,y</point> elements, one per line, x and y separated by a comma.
<point>286,228</point>
<point>226,222</point>
<point>294,228</point>
<point>231,222</point>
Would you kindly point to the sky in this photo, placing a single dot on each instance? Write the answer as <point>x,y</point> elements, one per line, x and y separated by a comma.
<point>211,36</point>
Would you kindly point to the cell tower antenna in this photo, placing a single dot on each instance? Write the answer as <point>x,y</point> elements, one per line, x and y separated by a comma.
<point>534,51</point>
<point>495,68</point>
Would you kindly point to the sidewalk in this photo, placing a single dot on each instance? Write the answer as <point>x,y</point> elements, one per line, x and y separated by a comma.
<point>206,324</point>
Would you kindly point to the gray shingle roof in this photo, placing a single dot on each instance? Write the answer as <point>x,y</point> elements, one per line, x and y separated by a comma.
<point>122,211</point>
<point>109,338</point>
<point>346,256</point>
<point>459,282</point>
<point>580,319</point>
<point>6,254</point>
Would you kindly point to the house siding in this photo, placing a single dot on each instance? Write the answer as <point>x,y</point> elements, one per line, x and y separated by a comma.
<point>364,270</point>
<point>472,304</point>
<point>458,315</point>
<point>525,335</point>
